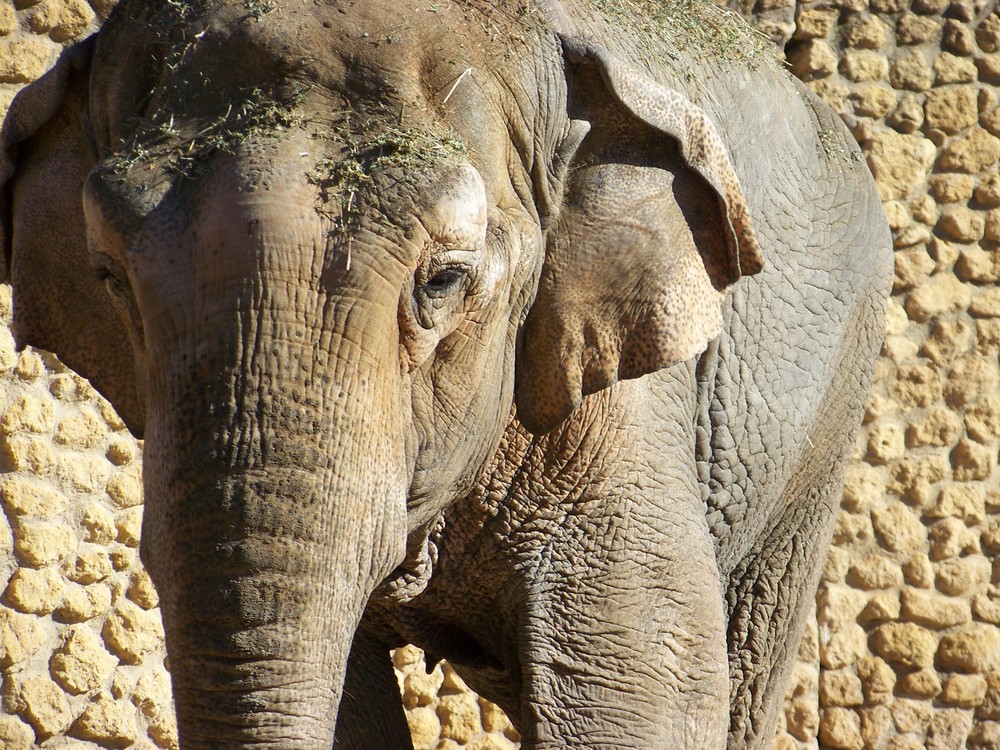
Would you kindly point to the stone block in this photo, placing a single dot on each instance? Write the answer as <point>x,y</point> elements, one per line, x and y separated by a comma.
<point>972,153</point>
<point>938,427</point>
<point>886,443</point>
<point>910,71</point>
<point>952,109</point>
<point>459,715</point>
<point>131,632</point>
<point>38,544</point>
<point>914,29</point>
<point>898,528</point>
<point>21,636</point>
<point>941,294</point>
<point>911,715</point>
<point>933,610</point>
<point>975,650</point>
<point>964,501</point>
<point>22,60</point>
<point>425,727</point>
<point>840,688</point>
<point>949,729</point>
<point>962,225</point>
<point>963,690</point>
<point>960,576</point>
<point>840,728</point>
<point>81,664</point>
<point>35,592</point>
<point>45,705</point>
<point>899,163</point>
<point>923,683</point>
<point>107,722</point>
<point>905,643</point>
<point>970,379</point>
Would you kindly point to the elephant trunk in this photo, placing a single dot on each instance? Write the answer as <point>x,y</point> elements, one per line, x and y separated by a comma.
<point>275,504</point>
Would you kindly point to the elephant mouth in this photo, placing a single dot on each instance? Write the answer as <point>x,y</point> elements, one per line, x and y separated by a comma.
<point>411,577</point>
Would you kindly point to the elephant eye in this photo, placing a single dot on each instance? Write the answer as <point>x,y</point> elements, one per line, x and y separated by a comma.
<point>112,275</point>
<point>443,283</point>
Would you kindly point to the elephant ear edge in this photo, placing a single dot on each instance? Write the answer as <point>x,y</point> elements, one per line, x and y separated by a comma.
<point>59,303</point>
<point>32,107</point>
<point>680,235</point>
<point>701,145</point>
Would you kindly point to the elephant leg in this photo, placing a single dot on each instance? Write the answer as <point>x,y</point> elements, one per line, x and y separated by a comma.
<point>371,712</point>
<point>623,636</point>
<point>767,603</point>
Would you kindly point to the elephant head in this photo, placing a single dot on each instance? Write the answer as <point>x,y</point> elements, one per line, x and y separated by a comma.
<point>314,256</point>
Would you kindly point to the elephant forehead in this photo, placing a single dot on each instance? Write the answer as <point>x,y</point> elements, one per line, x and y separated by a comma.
<point>455,212</point>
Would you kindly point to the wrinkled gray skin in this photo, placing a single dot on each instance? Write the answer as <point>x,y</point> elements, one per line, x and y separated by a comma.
<point>559,385</point>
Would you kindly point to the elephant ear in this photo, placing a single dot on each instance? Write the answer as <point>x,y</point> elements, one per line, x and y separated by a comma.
<point>652,230</point>
<point>60,305</point>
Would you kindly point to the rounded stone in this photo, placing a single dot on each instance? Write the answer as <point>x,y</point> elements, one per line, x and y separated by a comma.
<point>973,461</point>
<point>938,427</point>
<point>924,683</point>
<point>910,715</point>
<point>951,110</point>
<point>46,706</point>
<point>91,564</point>
<point>840,688</point>
<point>125,489</point>
<point>128,525</point>
<point>425,727</point>
<point>21,636</point>
<point>905,643</point>
<point>886,442</point>
<point>459,715</point>
<point>81,664</point>
<point>107,721</point>
<point>28,414</point>
<point>959,576</point>
<point>863,65</point>
<point>910,71</point>
<point>130,632</point>
<point>98,524</point>
<point>949,729</point>
<point>976,649</point>
<point>963,690</point>
<point>36,592</point>
<point>914,29</point>
<point>83,603</point>
<point>962,225</point>
<point>420,688</point>
<point>933,610</point>
<point>813,59</point>
<point>23,60</point>
<point>899,163</point>
<point>83,431</point>
<point>972,153</point>
<point>840,728</point>
<point>941,294</point>
<point>15,734</point>
<point>141,590</point>
<point>40,544</point>
<point>899,529</point>
<point>969,380</point>
<point>843,647</point>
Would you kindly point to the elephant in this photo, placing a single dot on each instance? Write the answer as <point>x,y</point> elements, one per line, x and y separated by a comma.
<point>536,333</point>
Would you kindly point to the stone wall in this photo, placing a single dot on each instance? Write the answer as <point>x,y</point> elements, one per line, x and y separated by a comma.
<point>904,652</point>
<point>907,636</point>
